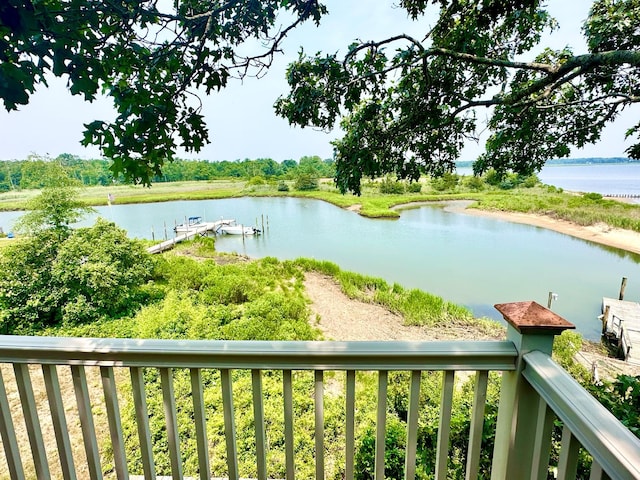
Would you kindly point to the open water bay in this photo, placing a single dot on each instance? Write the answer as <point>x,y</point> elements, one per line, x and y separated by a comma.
<point>606,178</point>
<point>470,260</point>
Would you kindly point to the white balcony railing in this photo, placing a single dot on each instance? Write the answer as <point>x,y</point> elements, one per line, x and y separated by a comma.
<point>534,392</point>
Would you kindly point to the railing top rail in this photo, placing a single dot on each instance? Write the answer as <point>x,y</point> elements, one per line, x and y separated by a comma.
<point>611,444</point>
<point>295,355</point>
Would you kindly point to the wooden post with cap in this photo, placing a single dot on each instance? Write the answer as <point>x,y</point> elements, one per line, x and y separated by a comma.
<point>530,326</point>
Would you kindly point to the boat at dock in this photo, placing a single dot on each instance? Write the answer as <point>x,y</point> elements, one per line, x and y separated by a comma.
<point>236,229</point>
<point>191,229</point>
<point>192,223</point>
<point>229,227</point>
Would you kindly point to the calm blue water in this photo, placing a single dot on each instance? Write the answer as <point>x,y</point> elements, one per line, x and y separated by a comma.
<point>473,261</point>
<point>604,179</point>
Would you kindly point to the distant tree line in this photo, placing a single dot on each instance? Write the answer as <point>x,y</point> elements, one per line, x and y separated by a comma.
<point>29,173</point>
<point>568,161</point>
<point>591,161</point>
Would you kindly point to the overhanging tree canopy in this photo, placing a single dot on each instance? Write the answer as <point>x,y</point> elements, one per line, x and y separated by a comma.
<point>149,57</point>
<point>409,104</point>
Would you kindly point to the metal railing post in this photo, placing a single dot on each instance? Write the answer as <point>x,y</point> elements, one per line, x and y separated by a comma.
<point>530,327</point>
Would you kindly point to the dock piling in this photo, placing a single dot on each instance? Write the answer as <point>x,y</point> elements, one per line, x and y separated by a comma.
<point>623,285</point>
<point>605,318</point>
<point>552,297</point>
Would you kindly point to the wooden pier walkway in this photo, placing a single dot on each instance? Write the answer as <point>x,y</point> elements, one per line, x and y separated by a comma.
<point>198,230</point>
<point>622,195</point>
<point>621,326</point>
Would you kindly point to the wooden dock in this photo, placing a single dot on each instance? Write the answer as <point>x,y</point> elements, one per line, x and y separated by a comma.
<point>621,327</point>
<point>199,230</point>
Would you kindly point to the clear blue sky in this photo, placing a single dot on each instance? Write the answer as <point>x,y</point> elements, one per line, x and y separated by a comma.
<point>241,119</point>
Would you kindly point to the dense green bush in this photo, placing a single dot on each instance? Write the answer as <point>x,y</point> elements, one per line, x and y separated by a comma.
<point>306,182</point>
<point>394,454</point>
<point>448,181</point>
<point>391,186</point>
<point>414,187</point>
<point>553,189</point>
<point>29,294</point>
<point>176,317</point>
<point>99,269</point>
<point>205,246</point>
<point>257,180</point>
<point>622,398</point>
<point>92,273</point>
<point>492,177</point>
<point>474,183</point>
<point>592,196</point>
<point>509,182</point>
<point>180,273</point>
<point>283,187</point>
<point>530,181</point>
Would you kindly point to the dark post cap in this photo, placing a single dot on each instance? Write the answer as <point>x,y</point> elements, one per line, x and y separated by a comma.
<point>531,317</point>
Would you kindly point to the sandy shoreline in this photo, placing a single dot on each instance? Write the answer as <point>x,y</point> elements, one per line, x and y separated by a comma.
<point>600,233</point>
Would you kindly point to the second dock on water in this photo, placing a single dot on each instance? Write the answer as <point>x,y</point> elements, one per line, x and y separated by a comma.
<point>621,325</point>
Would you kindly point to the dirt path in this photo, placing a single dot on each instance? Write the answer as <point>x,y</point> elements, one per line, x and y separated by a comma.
<point>341,318</point>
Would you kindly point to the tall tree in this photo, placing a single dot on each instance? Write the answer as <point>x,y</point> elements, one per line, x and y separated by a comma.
<point>409,104</point>
<point>56,207</point>
<point>149,57</point>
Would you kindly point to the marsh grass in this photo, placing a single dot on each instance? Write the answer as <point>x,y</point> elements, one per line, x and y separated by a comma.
<point>416,306</point>
<point>581,209</point>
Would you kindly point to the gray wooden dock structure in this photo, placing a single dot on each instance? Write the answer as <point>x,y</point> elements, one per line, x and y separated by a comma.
<point>621,326</point>
<point>202,229</point>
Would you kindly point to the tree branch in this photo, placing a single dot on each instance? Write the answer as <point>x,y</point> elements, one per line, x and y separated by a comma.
<point>621,99</point>
<point>495,62</point>
<point>555,75</point>
<point>377,45</point>
<point>275,41</point>
<point>573,68</point>
<point>597,123</point>
<point>576,66</point>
